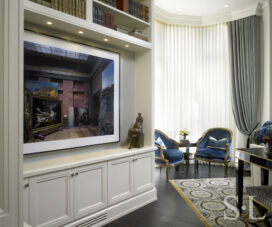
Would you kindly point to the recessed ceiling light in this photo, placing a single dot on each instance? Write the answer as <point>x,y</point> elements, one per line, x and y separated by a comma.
<point>80,32</point>
<point>106,40</point>
<point>180,10</point>
<point>126,46</point>
<point>226,6</point>
<point>49,23</point>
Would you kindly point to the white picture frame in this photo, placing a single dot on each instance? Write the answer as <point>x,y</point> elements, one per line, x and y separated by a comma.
<point>44,146</point>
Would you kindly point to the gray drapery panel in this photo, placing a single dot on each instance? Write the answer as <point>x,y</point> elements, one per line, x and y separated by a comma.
<point>245,63</point>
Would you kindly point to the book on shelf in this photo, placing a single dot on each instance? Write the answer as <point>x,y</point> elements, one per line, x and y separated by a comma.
<point>73,7</point>
<point>120,4</point>
<point>122,29</point>
<point>103,18</point>
<point>133,7</point>
<point>109,2</point>
<point>138,34</point>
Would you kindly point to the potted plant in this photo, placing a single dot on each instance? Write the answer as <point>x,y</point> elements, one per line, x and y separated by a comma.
<point>184,132</point>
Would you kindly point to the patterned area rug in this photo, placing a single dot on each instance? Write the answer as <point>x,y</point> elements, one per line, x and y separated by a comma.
<point>206,198</point>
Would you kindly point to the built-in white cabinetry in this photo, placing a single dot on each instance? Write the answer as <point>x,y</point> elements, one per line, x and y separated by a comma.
<point>92,186</point>
<point>129,176</point>
<point>120,180</point>
<point>58,197</point>
<point>51,199</point>
<point>143,178</point>
<point>26,201</point>
<point>90,189</point>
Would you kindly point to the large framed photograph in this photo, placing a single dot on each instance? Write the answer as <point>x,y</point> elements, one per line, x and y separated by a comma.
<point>71,94</point>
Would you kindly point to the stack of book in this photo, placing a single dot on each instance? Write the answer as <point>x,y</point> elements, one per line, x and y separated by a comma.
<point>76,8</point>
<point>121,29</point>
<point>103,18</point>
<point>138,9</point>
<point>109,2</point>
<point>133,7</point>
<point>138,34</point>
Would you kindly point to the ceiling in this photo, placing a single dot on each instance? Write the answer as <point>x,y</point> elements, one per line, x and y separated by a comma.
<point>204,8</point>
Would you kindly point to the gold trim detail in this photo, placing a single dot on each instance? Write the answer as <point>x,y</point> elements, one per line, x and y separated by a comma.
<point>270,160</point>
<point>190,204</point>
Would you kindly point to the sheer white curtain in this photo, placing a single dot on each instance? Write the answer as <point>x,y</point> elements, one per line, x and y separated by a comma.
<point>192,87</point>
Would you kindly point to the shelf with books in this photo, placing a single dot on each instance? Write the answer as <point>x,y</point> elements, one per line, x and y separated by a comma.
<point>122,17</point>
<point>36,17</point>
<point>75,8</point>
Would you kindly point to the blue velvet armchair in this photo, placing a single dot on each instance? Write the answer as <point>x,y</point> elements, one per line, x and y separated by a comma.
<point>214,146</point>
<point>168,153</point>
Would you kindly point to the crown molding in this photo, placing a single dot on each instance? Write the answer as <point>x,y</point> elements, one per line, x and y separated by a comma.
<point>168,18</point>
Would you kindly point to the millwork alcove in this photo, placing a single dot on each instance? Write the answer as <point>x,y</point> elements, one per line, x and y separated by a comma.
<point>93,185</point>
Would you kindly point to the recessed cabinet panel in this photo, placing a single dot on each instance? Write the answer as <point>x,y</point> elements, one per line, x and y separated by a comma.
<point>51,199</point>
<point>26,201</point>
<point>90,194</point>
<point>143,173</point>
<point>119,180</point>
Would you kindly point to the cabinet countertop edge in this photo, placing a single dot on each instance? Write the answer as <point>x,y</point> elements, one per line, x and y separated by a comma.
<point>43,166</point>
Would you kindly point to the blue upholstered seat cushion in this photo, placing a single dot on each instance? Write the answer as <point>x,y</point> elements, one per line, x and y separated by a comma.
<point>211,153</point>
<point>159,142</point>
<point>173,155</point>
<point>216,144</point>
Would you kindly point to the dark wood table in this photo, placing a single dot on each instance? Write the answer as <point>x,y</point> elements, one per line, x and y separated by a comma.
<point>255,156</point>
<point>187,144</point>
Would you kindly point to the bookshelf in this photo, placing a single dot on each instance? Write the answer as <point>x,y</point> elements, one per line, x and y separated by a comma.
<point>122,17</point>
<point>136,95</point>
<point>36,16</point>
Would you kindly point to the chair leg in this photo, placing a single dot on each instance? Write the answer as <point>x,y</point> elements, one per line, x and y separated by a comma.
<point>209,169</point>
<point>196,166</point>
<point>183,171</point>
<point>166,173</point>
<point>226,170</point>
<point>177,168</point>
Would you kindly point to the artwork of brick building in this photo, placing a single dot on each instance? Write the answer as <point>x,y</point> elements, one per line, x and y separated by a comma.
<point>85,87</point>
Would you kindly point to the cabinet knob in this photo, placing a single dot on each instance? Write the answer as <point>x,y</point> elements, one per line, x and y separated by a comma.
<point>72,174</point>
<point>26,185</point>
<point>76,174</point>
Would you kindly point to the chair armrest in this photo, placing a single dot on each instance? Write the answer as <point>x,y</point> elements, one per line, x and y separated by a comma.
<point>227,152</point>
<point>198,142</point>
<point>175,143</point>
<point>161,154</point>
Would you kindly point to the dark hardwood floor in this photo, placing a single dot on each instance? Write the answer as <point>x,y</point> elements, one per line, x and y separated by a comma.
<point>170,210</point>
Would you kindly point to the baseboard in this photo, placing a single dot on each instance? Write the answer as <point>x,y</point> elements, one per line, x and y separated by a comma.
<point>116,211</point>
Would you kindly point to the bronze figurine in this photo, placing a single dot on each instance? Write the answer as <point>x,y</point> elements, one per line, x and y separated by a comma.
<point>135,134</point>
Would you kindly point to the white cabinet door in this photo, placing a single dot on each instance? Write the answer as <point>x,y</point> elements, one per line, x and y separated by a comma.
<point>26,201</point>
<point>90,189</point>
<point>120,183</point>
<point>143,173</point>
<point>51,199</point>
